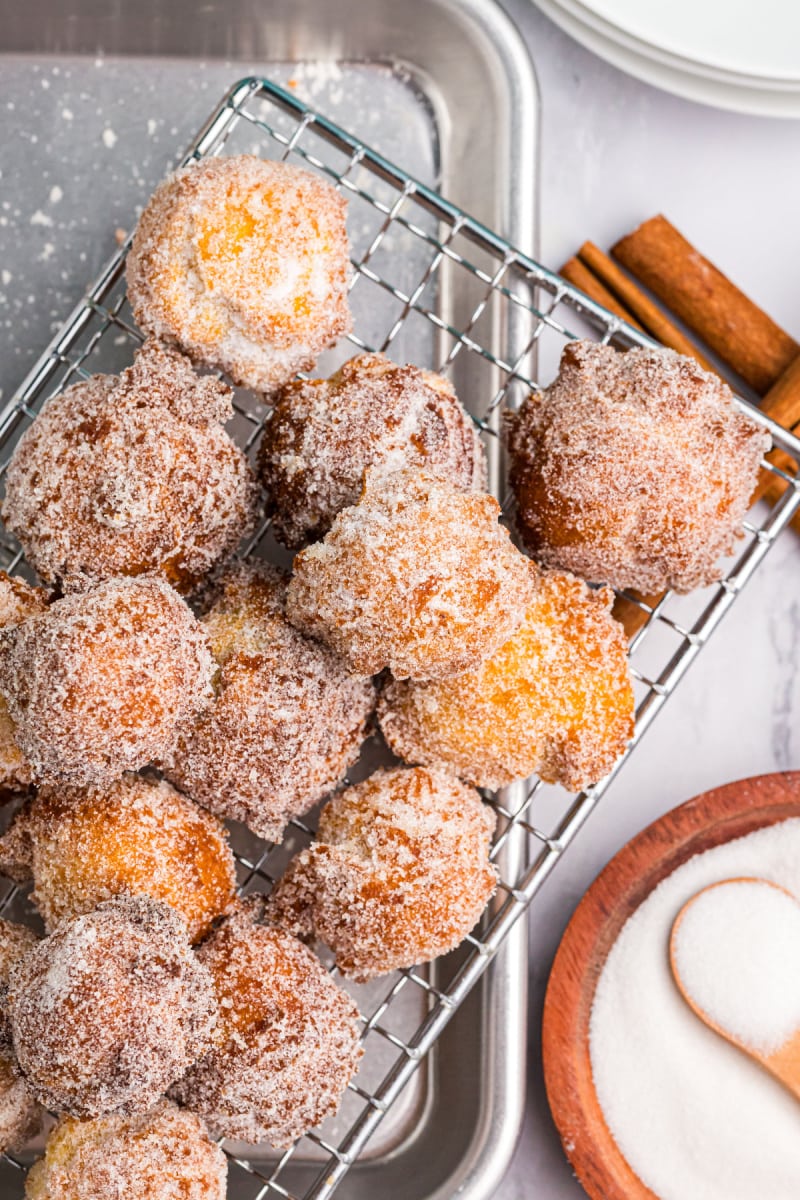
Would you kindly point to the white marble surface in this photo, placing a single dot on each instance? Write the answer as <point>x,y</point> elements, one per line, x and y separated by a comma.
<point>615,151</point>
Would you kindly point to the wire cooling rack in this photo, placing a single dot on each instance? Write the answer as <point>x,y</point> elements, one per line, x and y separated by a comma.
<point>433,286</point>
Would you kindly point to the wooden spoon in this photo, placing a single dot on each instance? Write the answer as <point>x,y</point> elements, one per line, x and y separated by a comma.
<point>784,1061</point>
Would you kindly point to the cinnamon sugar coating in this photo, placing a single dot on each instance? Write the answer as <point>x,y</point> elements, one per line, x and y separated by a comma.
<point>163,1154</point>
<point>84,845</point>
<point>21,1115</point>
<point>556,699</point>
<point>100,682</point>
<point>288,717</point>
<point>633,469</point>
<point>15,942</point>
<point>110,1009</point>
<point>243,264</point>
<point>131,474</point>
<point>324,434</point>
<point>399,873</point>
<point>287,1043</point>
<point>18,601</point>
<point>418,577</point>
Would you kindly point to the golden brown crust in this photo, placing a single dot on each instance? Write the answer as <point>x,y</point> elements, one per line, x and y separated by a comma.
<point>99,683</point>
<point>137,836</point>
<point>399,873</point>
<point>633,469</point>
<point>162,1154</point>
<point>287,720</point>
<point>243,263</point>
<point>418,577</point>
<point>131,474</point>
<point>556,699</point>
<point>287,1043</point>
<point>324,434</point>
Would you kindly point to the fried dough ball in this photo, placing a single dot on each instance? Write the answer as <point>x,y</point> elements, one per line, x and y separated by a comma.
<point>287,720</point>
<point>21,1115</point>
<point>110,1009</point>
<point>633,469</point>
<point>556,699</point>
<point>131,474</point>
<point>164,1154</point>
<point>18,601</point>
<point>399,873</point>
<point>99,683</point>
<point>324,434</point>
<point>243,264</point>
<point>418,577</point>
<point>85,845</point>
<point>287,1043</point>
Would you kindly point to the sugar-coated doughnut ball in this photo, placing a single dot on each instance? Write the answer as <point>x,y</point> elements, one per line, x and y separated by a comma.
<point>21,1115</point>
<point>129,474</point>
<point>163,1154</point>
<point>556,699</point>
<point>18,601</point>
<point>99,683</point>
<point>110,1009</point>
<point>243,264</point>
<point>324,434</point>
<point>633,469</point>
<point>418,577</point>
<point>399,874</point>
<point>84,845</point>
<point>287,1043</point>
<point>288,716</point>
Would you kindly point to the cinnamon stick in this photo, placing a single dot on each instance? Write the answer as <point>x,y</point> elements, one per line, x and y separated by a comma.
<point>578,274</point>
<point>741,333</point>
<point>652,318</point>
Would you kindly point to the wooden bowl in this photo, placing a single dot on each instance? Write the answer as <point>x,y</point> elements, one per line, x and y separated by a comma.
<point>709,820</point>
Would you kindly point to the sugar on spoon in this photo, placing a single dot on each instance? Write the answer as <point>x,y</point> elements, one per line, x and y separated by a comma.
<point>735,957</point>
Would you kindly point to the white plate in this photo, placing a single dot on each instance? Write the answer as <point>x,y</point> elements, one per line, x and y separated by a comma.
<point>760,39</point>
<point>713,86</point>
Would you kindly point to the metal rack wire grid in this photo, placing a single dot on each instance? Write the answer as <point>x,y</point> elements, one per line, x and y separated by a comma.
<point>433,286</point>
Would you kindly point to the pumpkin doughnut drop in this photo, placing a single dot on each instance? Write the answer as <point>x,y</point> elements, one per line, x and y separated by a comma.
<point>100,682</point>
<point>243,264</point>
<point>131,474</point>
<point>288,717</point>
<point>110,1009</point>
<point>84,845</point>
<point>398,875</point>
<point>163,1154</point>
<point>18,601</point>
<point>418,577</point>
<point>633,469</point>
<point>287,1043</point>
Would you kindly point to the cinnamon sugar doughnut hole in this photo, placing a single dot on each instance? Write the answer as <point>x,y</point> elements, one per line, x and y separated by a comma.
<point>131,474</point>
<point>84,845</point>
<point>399,874</point>
<point>418,577</point>
<point>633,469</point>
<point>556,699</point>
<point>287,1043</point>
<point>110,1009</point>
<point>18,601</point>
<point>99,683</point>
<point>20,1113</point>
<point>163,1154</point>
<point>243,264</point>
<point>287,720</point>
<point>324,434</point>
